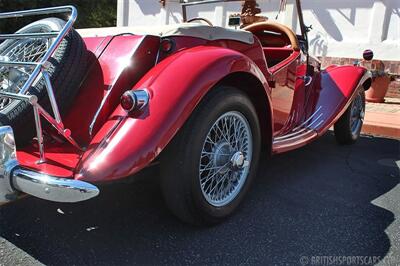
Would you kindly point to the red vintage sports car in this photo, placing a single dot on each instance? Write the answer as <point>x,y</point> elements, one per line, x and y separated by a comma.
<point>101,105</point>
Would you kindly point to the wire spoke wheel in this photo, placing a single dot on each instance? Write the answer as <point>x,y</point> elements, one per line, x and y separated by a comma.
<point>13,78</point>
<point>225,158</point>
<point>348,127</point>
<point>205,176</point>
<point>357,115</point>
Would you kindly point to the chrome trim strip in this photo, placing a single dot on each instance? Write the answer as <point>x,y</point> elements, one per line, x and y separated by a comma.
<point>103,101</point>
<point>307,80</point>
<point>301,128</point>
<point>310,118</point>
<point>292,141</point>
<point>320,122</point>
<point>110,87</point>
<point>316,120</point>
<point>158,54</point>
<point>299,134</point>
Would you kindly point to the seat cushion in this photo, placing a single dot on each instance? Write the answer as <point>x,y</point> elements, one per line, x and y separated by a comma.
<point>185,29</point>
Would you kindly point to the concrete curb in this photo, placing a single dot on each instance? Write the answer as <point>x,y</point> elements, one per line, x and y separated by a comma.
<point>12,255</point>
<point>383,119</point>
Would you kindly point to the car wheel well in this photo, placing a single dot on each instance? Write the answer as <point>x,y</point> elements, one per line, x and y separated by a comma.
<point>254,89</point>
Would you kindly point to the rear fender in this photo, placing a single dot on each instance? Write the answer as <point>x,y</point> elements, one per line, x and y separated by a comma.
<point>127,143</point>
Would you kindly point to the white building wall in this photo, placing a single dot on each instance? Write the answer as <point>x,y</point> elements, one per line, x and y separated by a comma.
<point>341,28</point>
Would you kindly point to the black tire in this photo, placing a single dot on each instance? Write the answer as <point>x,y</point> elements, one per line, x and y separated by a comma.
<point>66,70</point>
<point>344,133</point>
<point>180,161</point>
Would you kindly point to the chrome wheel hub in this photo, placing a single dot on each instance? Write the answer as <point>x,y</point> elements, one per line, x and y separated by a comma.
<point>225,159</point>
<point>221,155</point>
<point>238,161</point>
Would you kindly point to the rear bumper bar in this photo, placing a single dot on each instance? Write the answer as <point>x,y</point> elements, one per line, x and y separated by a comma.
<point>15,179</point>
<point>52,188</point>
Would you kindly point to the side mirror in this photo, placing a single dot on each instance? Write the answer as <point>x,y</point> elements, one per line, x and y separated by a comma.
<point>368,55</point>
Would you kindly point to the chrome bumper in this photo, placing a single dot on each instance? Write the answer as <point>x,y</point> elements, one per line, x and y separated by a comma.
<point>15,179</point>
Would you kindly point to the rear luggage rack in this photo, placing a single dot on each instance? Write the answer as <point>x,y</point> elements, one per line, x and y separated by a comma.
<point>40,72</point>
<point>14,178</point>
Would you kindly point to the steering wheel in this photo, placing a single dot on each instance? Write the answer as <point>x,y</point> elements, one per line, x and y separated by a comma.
<point>275,27</point>
<point>200,19</point>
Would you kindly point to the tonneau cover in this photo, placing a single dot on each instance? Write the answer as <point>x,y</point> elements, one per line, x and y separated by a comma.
<point>184,29</point>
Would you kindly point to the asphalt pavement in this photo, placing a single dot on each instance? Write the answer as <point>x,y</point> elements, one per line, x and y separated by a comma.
<point>319,202</point>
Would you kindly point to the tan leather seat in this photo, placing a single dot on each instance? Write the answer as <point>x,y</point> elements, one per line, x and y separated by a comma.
<point>275,27</point>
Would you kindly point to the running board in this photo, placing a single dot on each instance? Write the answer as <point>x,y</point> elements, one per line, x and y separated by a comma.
<point>300,135</point>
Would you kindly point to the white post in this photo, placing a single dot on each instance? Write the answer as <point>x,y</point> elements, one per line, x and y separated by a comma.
<point>377,22</point>
<point>122,13</point>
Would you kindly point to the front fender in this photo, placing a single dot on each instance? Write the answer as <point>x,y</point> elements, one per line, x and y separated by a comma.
<point>126,144</point>
<point>339,85</point>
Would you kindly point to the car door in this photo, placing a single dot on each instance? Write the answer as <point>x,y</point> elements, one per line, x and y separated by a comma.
<point>290,84</point>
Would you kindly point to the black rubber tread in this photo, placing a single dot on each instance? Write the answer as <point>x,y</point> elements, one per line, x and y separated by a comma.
<point>179,161</point>
<point>67,70</point>
<point>342,127</point>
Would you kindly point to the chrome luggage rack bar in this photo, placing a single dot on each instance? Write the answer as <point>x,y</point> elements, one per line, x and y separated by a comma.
<point>40,71</point>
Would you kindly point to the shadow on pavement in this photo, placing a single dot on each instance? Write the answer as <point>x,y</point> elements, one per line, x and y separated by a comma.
<point>311,202</point>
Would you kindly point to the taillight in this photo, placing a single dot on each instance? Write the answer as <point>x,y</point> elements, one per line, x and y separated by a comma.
<point>134,100</point>
<point>167,45</point>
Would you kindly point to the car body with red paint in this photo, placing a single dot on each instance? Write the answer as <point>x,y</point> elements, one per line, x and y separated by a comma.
<point>203,101</point>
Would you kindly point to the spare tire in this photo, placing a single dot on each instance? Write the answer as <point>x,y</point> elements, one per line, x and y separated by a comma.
<point>67,68</point>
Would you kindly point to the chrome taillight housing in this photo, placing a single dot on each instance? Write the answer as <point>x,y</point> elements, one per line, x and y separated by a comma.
<point>134,100</point>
